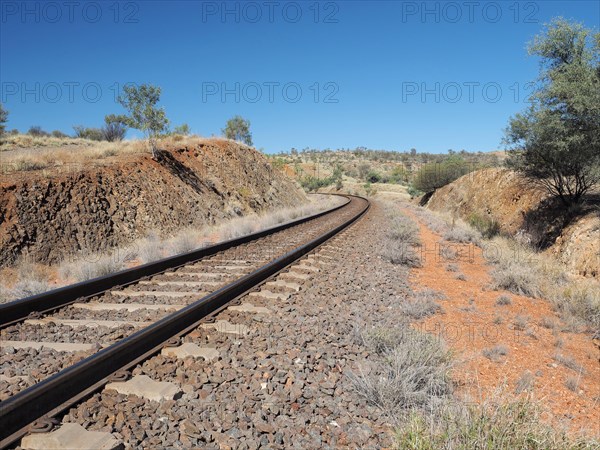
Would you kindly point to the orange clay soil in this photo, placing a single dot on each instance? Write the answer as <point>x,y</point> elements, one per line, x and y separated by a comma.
<point>471,322</point>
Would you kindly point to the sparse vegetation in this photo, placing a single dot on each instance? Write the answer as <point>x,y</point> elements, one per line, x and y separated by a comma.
<point>94,266</point>
<point>496,424</point>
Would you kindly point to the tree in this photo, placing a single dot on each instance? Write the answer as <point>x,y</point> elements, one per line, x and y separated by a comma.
<point>37,131</point>
<point>555,143</point>
<point>115,127</point>
<point>140,102</point>
<point>92,134</point>
<point>183,129</point>
<point>433,176</point>
<point>59,134</point>
<point>3,119</point>
<point>238,129</point>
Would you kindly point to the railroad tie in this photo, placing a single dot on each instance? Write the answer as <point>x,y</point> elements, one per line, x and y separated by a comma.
<point>269,295</point>
<point>283,285</point>
<point>89,323</point>
<point>57,346</point>
<point>71,436</point>
<point>224,326</point>
<point>190,349</point>
<point>146,387</point>
<point>171,294</point>
<point>179,283</point>
<point>250,308</point>
<point>95,306</point>
<point>298,276</point>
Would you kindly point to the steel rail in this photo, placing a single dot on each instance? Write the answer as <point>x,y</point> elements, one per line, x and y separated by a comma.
<point>18,310</point>
<point>62,390</point>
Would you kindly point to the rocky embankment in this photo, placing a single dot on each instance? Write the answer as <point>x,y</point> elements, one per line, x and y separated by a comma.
<point>88,209</point>
<point>502,196</point>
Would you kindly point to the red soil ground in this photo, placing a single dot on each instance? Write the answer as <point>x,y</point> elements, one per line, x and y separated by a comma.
<point>471,322</point>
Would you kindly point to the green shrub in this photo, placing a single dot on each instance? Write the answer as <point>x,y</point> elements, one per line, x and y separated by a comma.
<point>488,227</point>
<point>93,134</point>
<point>373,177</point>
<point>433,176</point>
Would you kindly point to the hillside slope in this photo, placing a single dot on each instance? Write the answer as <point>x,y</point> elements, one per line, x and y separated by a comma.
<point>88,209</point>
<point>503,196</point>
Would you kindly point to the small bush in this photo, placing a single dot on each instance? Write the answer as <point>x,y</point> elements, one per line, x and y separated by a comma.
<point>461,277</point>
<point>93,134</point>
<point>28,287</point>
<point>525,382</point>
<point>413,372</point>
<point>59,134</point>
<point>494,353</point>
<point>400,253</point>
<point>520,323</point>
<point>403,229</point>
<point>88,269</point>
<point>486,226</point>
<point>452,267</point>
<point>433,176</point>
<point>150,251</point>
<point>419,308</point>
<point>448,253</point>
<point>462,235</point>
<point>517,278</point>
<point>503,300</point>
<point>569,362</point>
<point>373,177</point>
<point>184,243</point>
<point>572,384</point>
<point>37,131</point>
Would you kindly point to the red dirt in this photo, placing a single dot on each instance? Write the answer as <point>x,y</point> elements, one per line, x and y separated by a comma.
<point>468,327</point>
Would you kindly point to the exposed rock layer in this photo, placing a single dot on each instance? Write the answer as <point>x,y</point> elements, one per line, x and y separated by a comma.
<point>90,209</point>
<point>505,197</point>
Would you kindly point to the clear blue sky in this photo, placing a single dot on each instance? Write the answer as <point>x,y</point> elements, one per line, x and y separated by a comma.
<point>383,62</point>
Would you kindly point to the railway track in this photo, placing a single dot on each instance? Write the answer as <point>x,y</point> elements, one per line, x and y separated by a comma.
<point>94,331</point>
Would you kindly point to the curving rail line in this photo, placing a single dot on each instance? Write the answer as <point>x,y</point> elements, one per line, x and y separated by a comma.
<point>65,388</point>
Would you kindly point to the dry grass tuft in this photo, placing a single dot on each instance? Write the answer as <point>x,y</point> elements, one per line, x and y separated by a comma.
<point>412,373</point>
<point>494,353</point>
<point>569,362</point>
<point>503,300</point>
<point>493,425</point>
